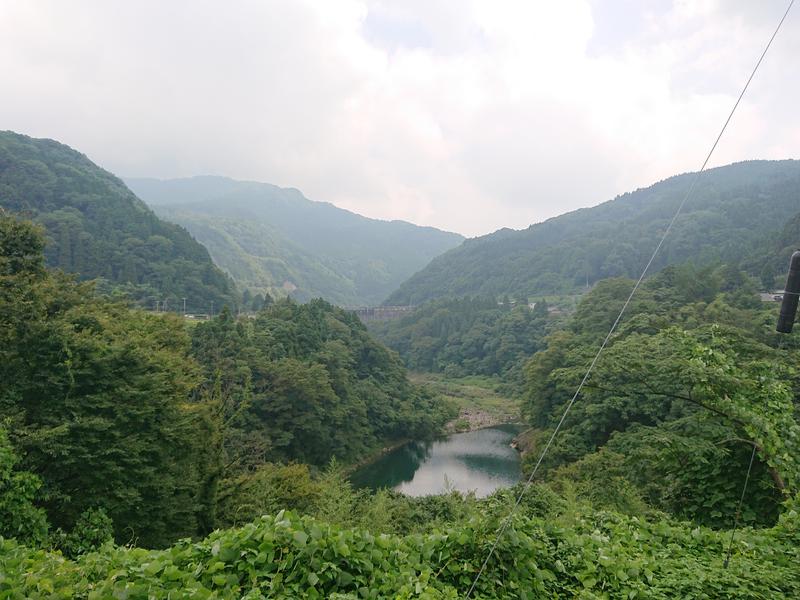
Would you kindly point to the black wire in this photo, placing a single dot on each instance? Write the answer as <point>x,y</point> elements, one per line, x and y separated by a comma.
<point>739,508</point>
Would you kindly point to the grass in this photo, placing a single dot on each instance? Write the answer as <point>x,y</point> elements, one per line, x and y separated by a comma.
<point>472,394</point>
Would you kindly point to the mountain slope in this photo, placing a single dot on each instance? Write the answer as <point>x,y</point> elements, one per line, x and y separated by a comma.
<point>733,213</point>
<point>275,240</point>
<point>97,228</point>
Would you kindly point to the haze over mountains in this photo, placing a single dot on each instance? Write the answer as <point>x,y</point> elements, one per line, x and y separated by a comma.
<point>275,240</point>
<point>735,216</point>
<point>150,427</point>
<point>97,228</point>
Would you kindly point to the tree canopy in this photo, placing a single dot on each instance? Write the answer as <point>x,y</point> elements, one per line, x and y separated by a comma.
<point>307,382</point>
<point>689,385</point>
<point>733,217</point>
<point>143,417</point>
<point>276,241</point>
<point>468,336</point>
<point>97,228</point>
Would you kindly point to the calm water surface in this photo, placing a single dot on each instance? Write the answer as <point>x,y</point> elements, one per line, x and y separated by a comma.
<point>479,461</point>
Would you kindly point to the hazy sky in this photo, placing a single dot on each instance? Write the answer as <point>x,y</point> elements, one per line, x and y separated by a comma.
<point>469,115</point>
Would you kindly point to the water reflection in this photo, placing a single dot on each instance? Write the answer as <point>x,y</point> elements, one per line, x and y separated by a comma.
<point>479,461</point>
<point>394,468</point>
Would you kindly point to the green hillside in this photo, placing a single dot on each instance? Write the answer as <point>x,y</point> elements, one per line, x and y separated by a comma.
<point>142,456</point>
<point>734,213</point>
<point>166,427</point>
<point>275,240</point>
<point>467,336</point>
<point>97,228</point>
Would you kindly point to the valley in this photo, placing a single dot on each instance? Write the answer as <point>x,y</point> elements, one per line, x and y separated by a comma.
<point>382,300</point>
<point>282,431</point>
<point>275,241</point>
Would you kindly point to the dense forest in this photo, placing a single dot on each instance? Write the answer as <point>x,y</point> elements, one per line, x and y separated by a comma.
<point>138,423</point>
<point>221,389</point>
<point>276,241</point>
<point>468,336</point>
<point>123,431</point>
<point>733,214</point>
<point>98,229</point>
<point>691,384</point>
<point>307,382</point>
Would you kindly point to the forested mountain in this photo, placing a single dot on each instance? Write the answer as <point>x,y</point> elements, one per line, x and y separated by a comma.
<point>156,423</point>
<point>467,336</point>
<point>306,382</point>
<point>692,381</point>
<point>276,241</point>
<point>734,213</point>
<point>97,228</point>
<point>118,425</point>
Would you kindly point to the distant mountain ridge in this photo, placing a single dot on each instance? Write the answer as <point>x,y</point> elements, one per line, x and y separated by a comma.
<point>275,240</point>
<point>97,228</point>
<point>734,214</point>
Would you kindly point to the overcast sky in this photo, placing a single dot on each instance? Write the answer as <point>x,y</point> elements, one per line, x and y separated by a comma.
<point>469,115</point>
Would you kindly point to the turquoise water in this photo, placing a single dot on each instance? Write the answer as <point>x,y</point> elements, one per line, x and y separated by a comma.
<point>479,461</point>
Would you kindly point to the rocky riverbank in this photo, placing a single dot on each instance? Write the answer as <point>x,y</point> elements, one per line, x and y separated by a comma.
<point>470,419</point>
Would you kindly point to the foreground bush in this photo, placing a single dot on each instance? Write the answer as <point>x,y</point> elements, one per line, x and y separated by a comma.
<point>594,555</point>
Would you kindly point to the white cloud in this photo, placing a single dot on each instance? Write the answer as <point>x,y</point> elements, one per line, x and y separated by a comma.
<point>467,115</point>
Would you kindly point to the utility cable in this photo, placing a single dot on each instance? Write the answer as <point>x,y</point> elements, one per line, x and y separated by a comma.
<point>739,508</point>
<point>686,197</point>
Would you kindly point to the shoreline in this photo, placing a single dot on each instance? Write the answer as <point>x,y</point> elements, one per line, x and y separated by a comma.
<point>376,454</point>
<point>476,419</point>
<point>473,419</point>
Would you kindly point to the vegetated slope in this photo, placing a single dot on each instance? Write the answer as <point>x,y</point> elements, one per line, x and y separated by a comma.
<point>772,262</point>
<point>693,379</point>
<point>108,411</point>
<point>97,228</point>
<point>307,382</point>
<point>143,421</point>
<point>602,555</point>
<point>731,213</point>
<point>467,336</point>
<point>275,240</point>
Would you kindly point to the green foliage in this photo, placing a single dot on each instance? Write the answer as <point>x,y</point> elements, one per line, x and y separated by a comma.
<point>267,490</point>
<point>306,383</point>
<point>20,518</point>
<point>276,241</point>
<point>21,249</point>
<point>479,401</point>
<point>461,425</point>
<point>94,396</point>
<point>597,555</point>
<point>734,216</point>
<point>92,530</point>
<point>601,480</point>
<point>337,500</point>
<point>331,497</point>
<point>106,406</point>
<point>467,336</point>
<point>136,425</point>
<point>675,405</point>
<point>97,228</point>
<point>695,470</point>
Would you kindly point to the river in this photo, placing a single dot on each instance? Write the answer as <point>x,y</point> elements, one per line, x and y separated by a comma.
<point>479,461</point>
